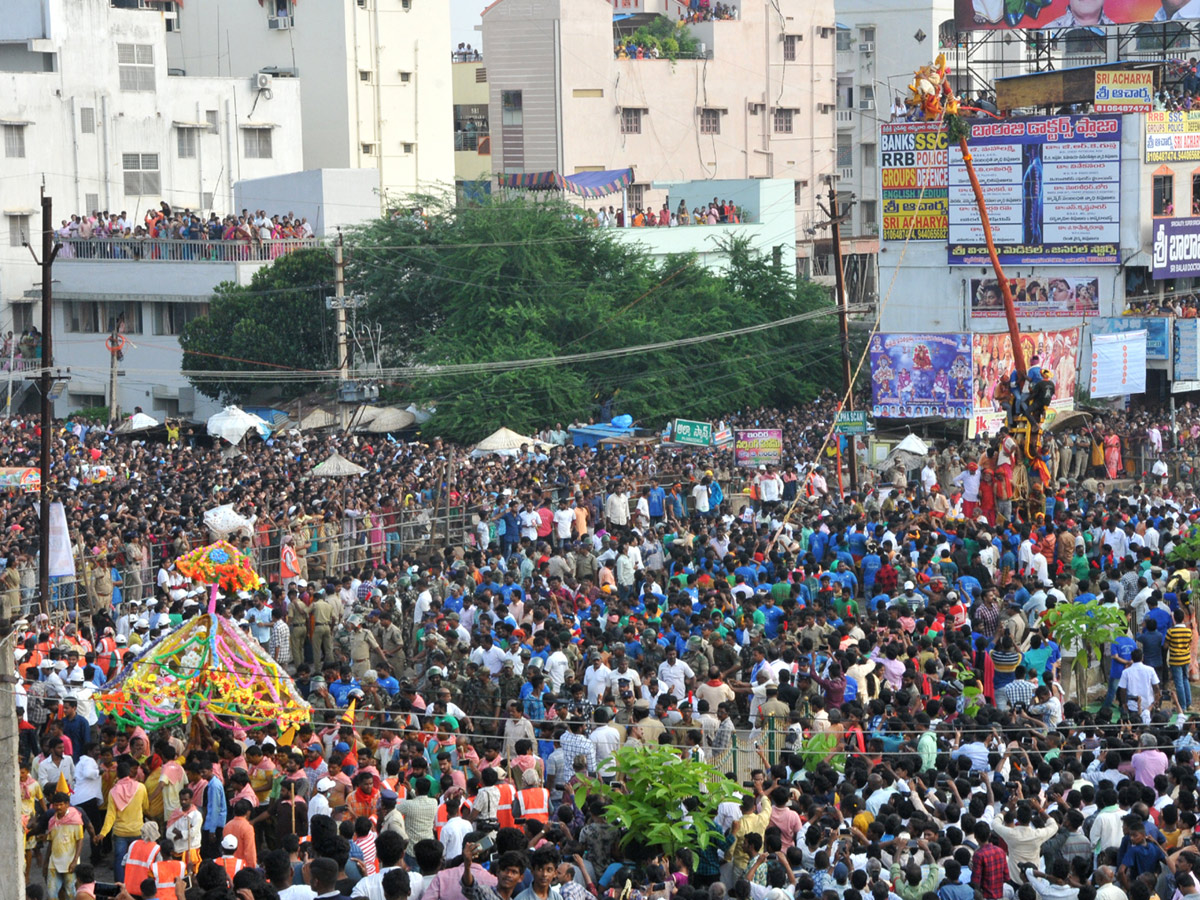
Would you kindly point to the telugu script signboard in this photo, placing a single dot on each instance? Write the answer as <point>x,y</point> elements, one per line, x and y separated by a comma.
<point>1052,187</point>
<point>758,447</point>
<point>1176,252</point>
<point>696,434</point>
<point>1124,92</point>
<point>912,174</point>
<point>1172,136</point>
<point>1044,295</point>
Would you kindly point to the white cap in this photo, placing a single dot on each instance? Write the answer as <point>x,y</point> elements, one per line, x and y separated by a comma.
<point>908,585</point>
<point>229,842</point>
<point>325,784</point>
<point>301,582</point>
<point>953,595</point>
<point>121,639</point>
<point>142,623</point>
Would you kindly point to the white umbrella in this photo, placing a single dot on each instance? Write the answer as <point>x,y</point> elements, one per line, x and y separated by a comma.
<point>390,419</point>
<point>504,441</point>
<point>224,521</point>
<point>232,423</point>
<point>137,422</point>
<point>337,466</point>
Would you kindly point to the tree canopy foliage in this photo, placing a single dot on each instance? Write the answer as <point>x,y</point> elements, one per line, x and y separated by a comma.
<point>517,279</point>
<point>279,320</point>
<point>513,279</point>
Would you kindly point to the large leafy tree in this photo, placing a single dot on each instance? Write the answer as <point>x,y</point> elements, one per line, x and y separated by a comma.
<point>277,321</point>
<point>515,279</point>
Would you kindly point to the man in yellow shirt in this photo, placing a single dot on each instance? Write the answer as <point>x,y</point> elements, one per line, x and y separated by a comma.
<point>128,806</point>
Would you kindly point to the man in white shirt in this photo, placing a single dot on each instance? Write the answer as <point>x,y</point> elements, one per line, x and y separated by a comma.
<point>595,679</point>
<point>606,740</point>
<point>564,519</point>
<point>556,666</point>
<point>455,829</point>
<point>616,507</point>
<point>770,486</point>
<point>674,674</point>
<point>389,851</point>
<point>1138,688</point>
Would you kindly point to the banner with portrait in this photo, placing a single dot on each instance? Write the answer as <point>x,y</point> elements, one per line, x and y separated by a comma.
<point>1040,296</point>
<point>992,359</point>
<point>914,375</point>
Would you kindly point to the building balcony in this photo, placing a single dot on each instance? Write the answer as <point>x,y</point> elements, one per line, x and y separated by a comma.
<point>846,173</point>
<point>844,118</point>
<point>152,250</point>
<point>476,141</point>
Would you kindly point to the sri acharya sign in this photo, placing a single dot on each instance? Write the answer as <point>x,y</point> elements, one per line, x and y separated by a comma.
<point>1124,92</point>
<point>1176,248</point>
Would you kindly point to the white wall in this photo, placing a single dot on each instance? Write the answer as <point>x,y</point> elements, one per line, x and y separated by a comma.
<point>329,198</point>
<point>328,45</point>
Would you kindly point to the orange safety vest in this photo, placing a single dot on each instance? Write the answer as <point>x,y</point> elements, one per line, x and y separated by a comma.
<point>535,804</point>
<point>504,813</point>
<point>104,656</point>
<point>230,870</point>
<point>141,856</point>
<point>442,816</point>
<point>166,873</point>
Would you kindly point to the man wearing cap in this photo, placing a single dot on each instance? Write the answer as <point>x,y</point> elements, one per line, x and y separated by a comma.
<point>298,612</point>
<point>362,645</point>
<point>323,615</point>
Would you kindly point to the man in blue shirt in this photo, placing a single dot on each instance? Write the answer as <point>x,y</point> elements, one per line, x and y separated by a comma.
<point>1120,651</point>
<point>656,501</point>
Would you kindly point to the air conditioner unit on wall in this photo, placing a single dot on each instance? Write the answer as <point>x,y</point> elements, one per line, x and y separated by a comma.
<point>868,47</point>
<point>262,81</point>
<point>279,23</point>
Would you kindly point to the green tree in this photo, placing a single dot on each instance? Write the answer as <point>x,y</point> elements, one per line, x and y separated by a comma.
<point>656,785</point>
<point>513,279</point>
<point>278,320</point>
<point>1093,624</point>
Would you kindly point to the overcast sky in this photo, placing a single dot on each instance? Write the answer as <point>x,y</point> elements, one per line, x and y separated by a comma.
<point>464,16</point>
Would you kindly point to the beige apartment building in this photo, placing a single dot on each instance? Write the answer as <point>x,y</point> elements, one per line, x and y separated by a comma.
<point>757,102</point>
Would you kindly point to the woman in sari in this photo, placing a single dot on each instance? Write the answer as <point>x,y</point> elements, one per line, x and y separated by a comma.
<point>1112,454</point>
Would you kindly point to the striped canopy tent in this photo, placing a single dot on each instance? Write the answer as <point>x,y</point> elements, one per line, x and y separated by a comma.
<point>585,184</point>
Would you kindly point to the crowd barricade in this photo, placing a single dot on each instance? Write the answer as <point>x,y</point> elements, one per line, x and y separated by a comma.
<point>137,249</point>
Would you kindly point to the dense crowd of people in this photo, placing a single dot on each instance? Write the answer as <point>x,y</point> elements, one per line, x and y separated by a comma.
<point>107,235</point>
<point>892,674</point>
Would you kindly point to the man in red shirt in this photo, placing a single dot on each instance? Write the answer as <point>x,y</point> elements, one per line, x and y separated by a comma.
<point>989,864</point>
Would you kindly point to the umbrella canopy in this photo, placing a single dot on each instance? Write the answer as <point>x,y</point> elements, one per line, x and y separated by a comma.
<point>137,422</point>
<point>505,441</point>
<point>232,423</point>
<point>910,451</point>
<point>317,419</point>
<point>223,521</point>
<point>337,466</point>
<point>390,419</point>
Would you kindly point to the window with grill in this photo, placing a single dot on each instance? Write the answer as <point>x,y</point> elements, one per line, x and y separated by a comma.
<point>206,200</point>
<point>845,151</point>
<point>790,42</point>
<point>636,196</point>
<point>87,119</point>
<point>710,121</point>
<point>631,120</point>
<point>845,40</point>
<point>18,230</point>
<point>210,116</point>
<point>135,65</point>
<point>868,35</point>
<point>91,202</point>
<point>170,318</point>
<point>512,107</point>
<point>783,121</point>
<point>258,143</point>
<point>1164,195</point>
<point>798,192</point>
<point>186,140</point>
<point>869,152</point>
<point>142,176</point>
<point>14,141</point>
<point>481,75</point>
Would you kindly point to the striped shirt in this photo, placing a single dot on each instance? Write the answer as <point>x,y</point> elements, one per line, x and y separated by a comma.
<point>1179,645</point>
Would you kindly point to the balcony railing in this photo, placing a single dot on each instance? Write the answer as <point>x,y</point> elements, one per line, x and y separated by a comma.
<point>845,117</point>
<point>469,140</point>
<point>165,250</point>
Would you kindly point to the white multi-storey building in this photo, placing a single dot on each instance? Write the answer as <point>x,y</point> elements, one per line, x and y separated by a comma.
<point>90,110</point>
<point>374,76</point>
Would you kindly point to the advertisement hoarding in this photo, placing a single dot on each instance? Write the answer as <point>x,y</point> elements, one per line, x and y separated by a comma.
<point>991,360</point>
<point>758,446</point>
<point>916,375</point>
<point>983,15</point>
<point>1187,350</point>
<point>1172,136</point>
<point>1124,92</point>
<point>1176,252</point>
<point>696,434</point>
<point>1157,328</point>
<point>1052,187</point>
<point>1047,295</point>
<point>912,181</point>
<point>1118,365</point>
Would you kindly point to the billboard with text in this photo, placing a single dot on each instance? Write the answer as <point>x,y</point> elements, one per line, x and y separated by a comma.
<point>980,15</point>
